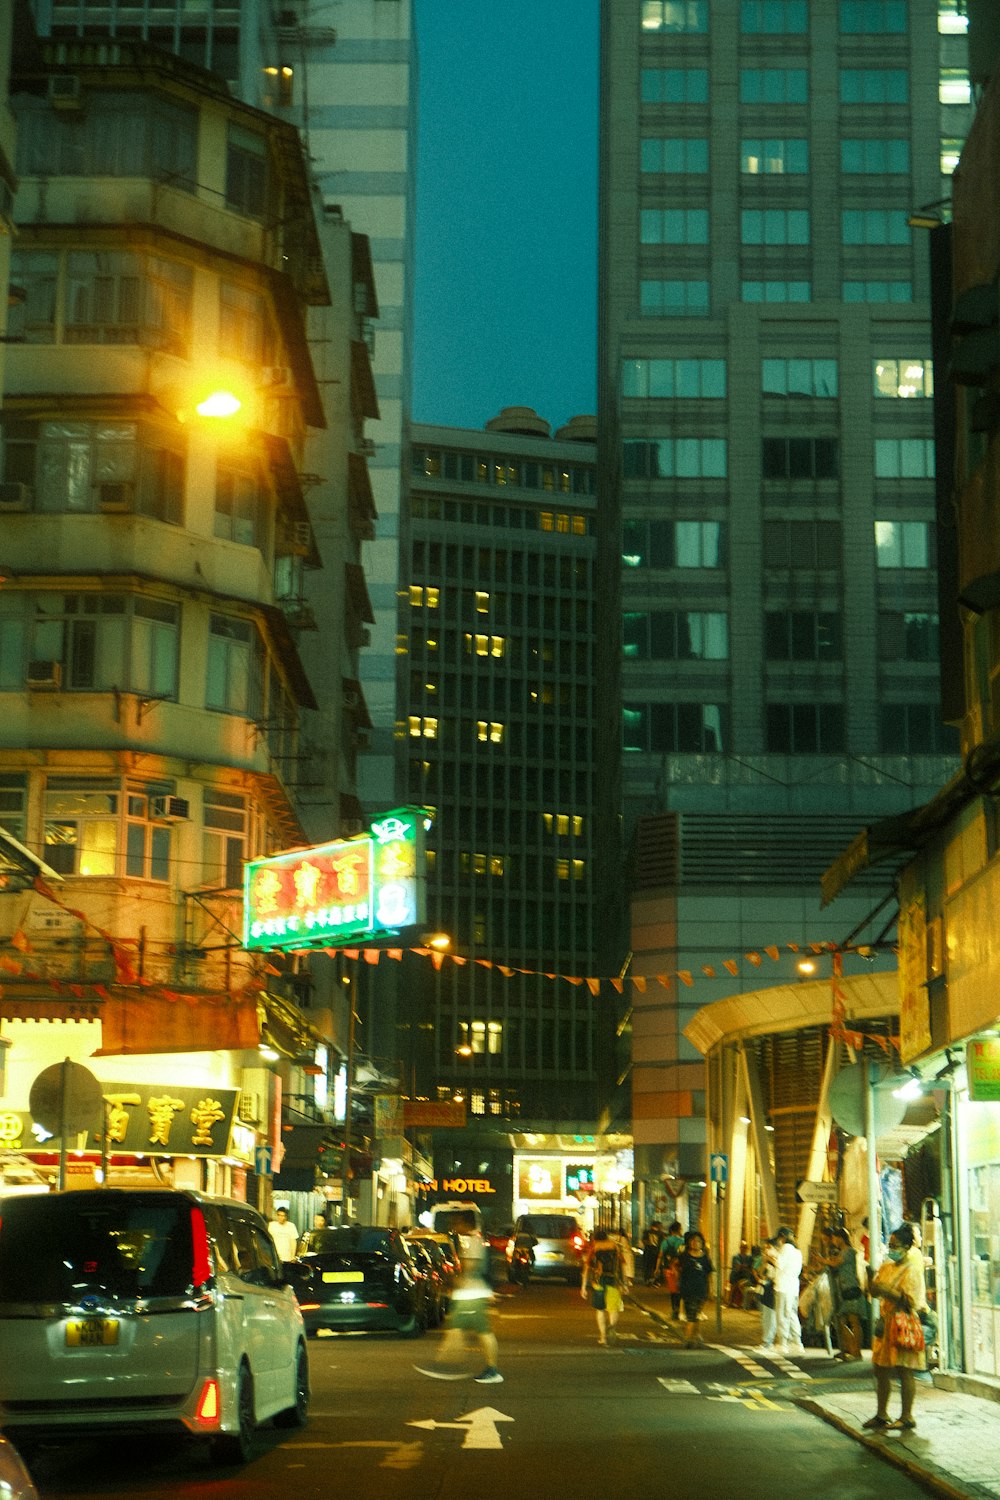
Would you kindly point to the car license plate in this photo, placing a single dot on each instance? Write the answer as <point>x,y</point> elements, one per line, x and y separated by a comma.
<point>89,1333</point>
<point>343,1275</point>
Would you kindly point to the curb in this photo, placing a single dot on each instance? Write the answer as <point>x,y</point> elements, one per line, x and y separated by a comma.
<point>933,1479</point>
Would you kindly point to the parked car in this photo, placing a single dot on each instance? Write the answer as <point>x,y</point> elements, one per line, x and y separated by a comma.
<point>447,1255</point>
<point>360,1277</point>
<point>15,1481</point>
<point>426,1265</point>
<point>150,1309</point>
<point>559,1245</point>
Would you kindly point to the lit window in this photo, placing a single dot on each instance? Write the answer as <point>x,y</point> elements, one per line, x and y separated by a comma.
<point>546,520</point>
<point>774,156</point>
<point>903,377</point>
<point>954,86</point>
<point>482,603</point>
<point>423,728</point>
<point>489,730</point>
<point>481,1036</point>
<point>420,596</point>
<point>951,152</point>
<point>579,526</point>
<point>952,19</point>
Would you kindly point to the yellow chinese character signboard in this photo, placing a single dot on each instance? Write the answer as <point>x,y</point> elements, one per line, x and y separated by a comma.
<point>143,1119</point>
<point>358,888</point>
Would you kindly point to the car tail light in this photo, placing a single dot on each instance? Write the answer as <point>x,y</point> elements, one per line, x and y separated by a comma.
<point>578,1242</point>
<point>308,1306</point>
<point>207,1411</point>
<point>201,1261</point>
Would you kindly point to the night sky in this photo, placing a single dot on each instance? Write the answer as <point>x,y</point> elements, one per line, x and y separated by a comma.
<point>506,209</point>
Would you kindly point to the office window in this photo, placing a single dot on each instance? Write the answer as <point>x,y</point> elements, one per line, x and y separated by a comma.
<point>877,291</point>
<point>869,157</point>
<point>675,635</point>
<point>873,17</point>
<point>674,226</point>
<point>954,86</point>
<point>675,458</point>
<point>800,458</point>
<point>674,154</point>
<point>673,299</point>
<point>903,377</point>
<point>951,152</point>
<point>915,729</point>
<point>225,843</point>
<point>481,1036</point>
<point>904,458</point>
<point>483,645</point>
<point>874,226</point>
<point>247,186</point>
<point>774,17</point>
<point>776,291</point>
<point>803,635</point>
<point>488,731</point>
<point>799,377</point>
<point>774,226</point>
<point>683,728</point>
<point>674,377</point>
<point>675,15</point>
<point>673,544</point>
<point>874,86</point>
<point>421,597</point>
<point>774,86</point>
<point>772,155</point>
<point>904,544</point>
<point>805,728</point>
<point>674,85</point>
<point>907,637</point>
<point>802,544</point>
<point>422,728</point>
<point>953,19</point>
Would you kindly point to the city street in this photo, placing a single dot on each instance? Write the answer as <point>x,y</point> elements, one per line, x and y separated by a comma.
<point>569,1419</point>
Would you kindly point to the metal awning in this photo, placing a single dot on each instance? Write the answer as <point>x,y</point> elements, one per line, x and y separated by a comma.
<point>19,868</point>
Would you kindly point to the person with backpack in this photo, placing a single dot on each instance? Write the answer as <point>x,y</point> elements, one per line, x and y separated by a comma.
<point>667,1266</point>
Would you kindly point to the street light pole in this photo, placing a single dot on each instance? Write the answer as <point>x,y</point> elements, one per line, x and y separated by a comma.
<point>345,1166</point>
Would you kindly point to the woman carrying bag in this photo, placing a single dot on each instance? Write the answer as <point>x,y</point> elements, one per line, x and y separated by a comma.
<point>898,1336</point>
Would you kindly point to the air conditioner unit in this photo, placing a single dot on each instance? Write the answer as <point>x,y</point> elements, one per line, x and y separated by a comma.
<point>169,809</point>
<point>44,674</point>
<point>14,496</point>
<point>114,497</point>
<point>301,534</point>
<point>278,377</point>
<point>66,91</point>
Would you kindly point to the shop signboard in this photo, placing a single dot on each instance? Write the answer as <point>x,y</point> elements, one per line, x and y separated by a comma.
<point>430,1113</point>
<point>330,895</point>
<point>982,1065</point>
<point>540,1179</point>
<point>143,1119</point>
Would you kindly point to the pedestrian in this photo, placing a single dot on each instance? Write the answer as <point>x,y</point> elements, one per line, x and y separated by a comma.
<point>898,1337</point>
<point>740,1272</point>
<point>766,1271</point>
<point>650,1250</point>
<point>841,1261</point>
<point>284,1234</point>
<point>603,1275</point>
<point>788,1270</point>
<point>624,1243</point>
<point>695,1269</point>
<point>469,1317</point>
<point>309,1238</point>
<point>666,1266</point>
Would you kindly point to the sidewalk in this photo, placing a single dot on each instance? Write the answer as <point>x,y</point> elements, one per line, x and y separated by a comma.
<point>955,1450</point>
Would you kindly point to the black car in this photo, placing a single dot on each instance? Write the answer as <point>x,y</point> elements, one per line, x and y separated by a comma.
<point>360,1276</point>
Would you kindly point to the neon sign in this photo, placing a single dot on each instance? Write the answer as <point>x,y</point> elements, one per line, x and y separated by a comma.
<point>360,887</point>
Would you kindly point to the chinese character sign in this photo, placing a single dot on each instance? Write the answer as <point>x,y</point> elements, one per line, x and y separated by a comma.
<point>338,892</point>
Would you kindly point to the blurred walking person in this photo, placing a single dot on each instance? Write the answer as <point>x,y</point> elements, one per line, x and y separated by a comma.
<point>696,1269</point>
<point>788,1272</point>
<point>603,1278</point>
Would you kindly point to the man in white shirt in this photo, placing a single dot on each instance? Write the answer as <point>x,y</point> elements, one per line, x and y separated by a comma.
<point>788,1270</point>
<point>284,1234</point>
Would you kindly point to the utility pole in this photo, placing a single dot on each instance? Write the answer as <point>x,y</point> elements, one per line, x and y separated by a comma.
<point>345,1166</point>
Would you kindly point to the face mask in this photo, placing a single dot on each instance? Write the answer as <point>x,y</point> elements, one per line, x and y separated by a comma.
<point>896,1255</point>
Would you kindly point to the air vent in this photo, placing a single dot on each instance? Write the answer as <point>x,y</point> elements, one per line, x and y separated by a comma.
<point>169,809</point>
<point>44,674</point>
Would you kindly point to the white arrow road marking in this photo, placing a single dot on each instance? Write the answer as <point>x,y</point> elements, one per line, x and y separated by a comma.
<point>480,1427</point>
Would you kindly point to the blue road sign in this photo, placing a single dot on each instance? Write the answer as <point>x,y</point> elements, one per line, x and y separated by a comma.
<point>262,1161</point>
<point>718,1167</point>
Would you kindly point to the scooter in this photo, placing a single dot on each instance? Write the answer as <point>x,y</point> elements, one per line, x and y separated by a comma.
<point>520,1265</point>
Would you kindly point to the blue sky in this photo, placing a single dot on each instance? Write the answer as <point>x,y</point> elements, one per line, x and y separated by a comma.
<point>505,298</point>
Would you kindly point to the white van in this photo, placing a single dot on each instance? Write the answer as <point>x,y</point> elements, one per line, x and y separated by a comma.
<point>149,1309</point>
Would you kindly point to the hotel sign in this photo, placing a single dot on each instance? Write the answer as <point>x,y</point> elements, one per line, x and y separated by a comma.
<point>332,894</point>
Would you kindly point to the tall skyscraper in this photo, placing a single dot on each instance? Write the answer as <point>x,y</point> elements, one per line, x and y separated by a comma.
<point>766,426</point>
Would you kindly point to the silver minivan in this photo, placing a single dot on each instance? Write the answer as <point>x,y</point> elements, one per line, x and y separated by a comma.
<point>148,1309</point>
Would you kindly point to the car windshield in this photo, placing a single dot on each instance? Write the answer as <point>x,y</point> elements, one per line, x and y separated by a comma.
<point>124,1245</point>
<point>549,1227</point>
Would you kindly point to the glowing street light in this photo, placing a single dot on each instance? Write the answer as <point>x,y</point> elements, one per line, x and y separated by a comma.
<point>219,404</point>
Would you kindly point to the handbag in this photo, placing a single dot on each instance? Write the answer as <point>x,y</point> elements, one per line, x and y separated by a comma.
<point>672,1277</point>
<point>906,1331</point>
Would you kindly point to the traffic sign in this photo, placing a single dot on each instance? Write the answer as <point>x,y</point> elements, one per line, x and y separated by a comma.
<point>262,1161</point>
<point>718,1167</point>
<point>818,1192</point>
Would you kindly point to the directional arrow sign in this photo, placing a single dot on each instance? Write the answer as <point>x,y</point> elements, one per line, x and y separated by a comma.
<point>818,1192</point>
<point>480,1427</point>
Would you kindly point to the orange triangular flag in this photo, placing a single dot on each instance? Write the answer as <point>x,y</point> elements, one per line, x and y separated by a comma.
<point>754,958</point>
<point>639,980</point>
<point>372,955</point>
<point>593,985</point>
<point>685,976</point>
<point>708,971</point>
<point>19,940</point>
<point>731,965</point>
<point>663,979</point>
<point>772,951</point>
